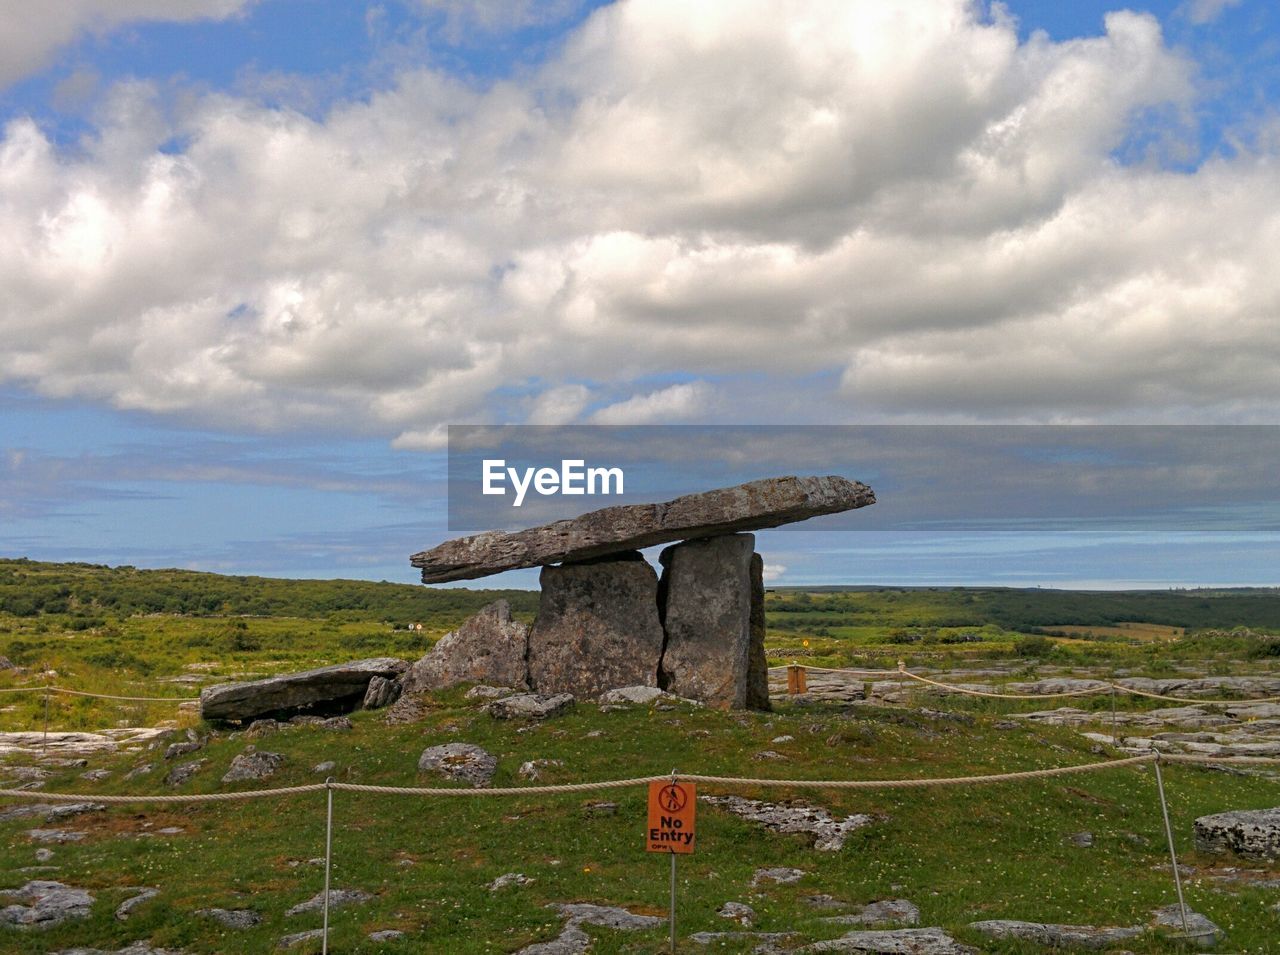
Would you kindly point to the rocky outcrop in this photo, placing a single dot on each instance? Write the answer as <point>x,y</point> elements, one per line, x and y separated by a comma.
<point>333,688</point>
<point>597,627</point>
<point>902,941</point>
<point>574,941</point>
<point>1089,937</point>
<point>706,595</point>
<point>745,507</point>
<point>1249,833</point>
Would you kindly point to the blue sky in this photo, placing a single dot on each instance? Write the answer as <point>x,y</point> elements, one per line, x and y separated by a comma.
<point>256,256</point>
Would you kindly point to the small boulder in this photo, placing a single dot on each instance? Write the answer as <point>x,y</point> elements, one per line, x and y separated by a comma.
<point>509,879</point>
<point>42,904</point>
<point>125,908</point>
<point>338,898</point>
<point>739,912</point>
<point>382,692</point>
<point>886,911</point>
<point>1249,833</point>
<point>464,762</point>
<point>638,695</point>
<point>779,874</point>
<point>1199,927</point>
<point>184,771</point>
<point>900,941</point>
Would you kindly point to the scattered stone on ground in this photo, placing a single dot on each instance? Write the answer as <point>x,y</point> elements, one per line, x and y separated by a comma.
<point>1091,937</point>
<point>887,911</point>
<point>785,738</point>
<point>175,750</point>
<point>183,772</point>
<point>265,727</point>
<point>509,879</point>
<point>824,901</point>
<point>638,695</point>
<point>901,941</point>
<point>297,938</point>
<point>767,754</point>
<point>386,935</point>
<point>765,943</point>
<point>739,912</point>
<point>1199,927</point>
<point>465,762</point>
<point>50,812</point>
<point>530,706</point>
<point>140,947</point>
<point>55,835</point>
<point>1081,840</point>
<point>829,833</point>
<point>574,941</point>
<point>125,908</point>
<point>779,874</point>
<point>253,764</point>
<point>72,743</point>
<point>1248,833</point>
<point>341,686</point>
<point>531,769</point>
<point>489,648</point>
<point>142,770</point>
<point>601,809</point>
<point>326,767</point>
<point>338,898</point>
<point>44,855</point>
<point>232,918</point>
<point>95,775</point>
<point>41,904</point>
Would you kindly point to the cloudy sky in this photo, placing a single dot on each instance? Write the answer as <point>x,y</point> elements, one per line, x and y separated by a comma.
<point>255,255</point>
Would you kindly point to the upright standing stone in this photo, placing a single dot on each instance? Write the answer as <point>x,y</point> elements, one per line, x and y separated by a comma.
<point>707,597</point>
<point>597,627</point>
<point>757,662</point>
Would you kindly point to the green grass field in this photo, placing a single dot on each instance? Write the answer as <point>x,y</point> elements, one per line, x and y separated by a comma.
<point>1001,851</point>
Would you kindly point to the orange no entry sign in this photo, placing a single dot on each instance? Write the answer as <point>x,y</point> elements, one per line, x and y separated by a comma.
<point>672,809</point>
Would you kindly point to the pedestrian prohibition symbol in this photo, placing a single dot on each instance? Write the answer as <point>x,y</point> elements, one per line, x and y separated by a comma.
<point>672,806</point>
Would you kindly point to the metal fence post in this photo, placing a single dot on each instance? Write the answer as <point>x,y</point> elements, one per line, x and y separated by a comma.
<point>672,917</point>
<point>44,744</point>
<point>1173,855</point>
<point>328,861</point>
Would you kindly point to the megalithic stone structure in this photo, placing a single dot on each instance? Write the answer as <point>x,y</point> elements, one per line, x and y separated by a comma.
<point>744,507</point>
<point>606,620</point>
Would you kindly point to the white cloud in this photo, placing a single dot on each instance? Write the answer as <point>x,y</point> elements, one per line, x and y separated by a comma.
<point>773,572</point>
<point>30,34</point>
<point>675,403</point>
<point>882,209</point>
<point>1206,11</point>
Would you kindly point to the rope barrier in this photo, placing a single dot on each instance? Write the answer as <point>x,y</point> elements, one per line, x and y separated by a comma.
<point>100,696</point>
<point>737,781</point>
<point>1103,686</point>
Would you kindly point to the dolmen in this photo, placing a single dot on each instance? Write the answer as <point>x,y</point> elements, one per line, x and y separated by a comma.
<point>326,690</point>
<point>606,618</point>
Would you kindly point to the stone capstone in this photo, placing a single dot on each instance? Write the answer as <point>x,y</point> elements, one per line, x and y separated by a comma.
<point>745,507</point>
<point>465,762</point>
<point>597,627</point>
<point>705,598</point>
<point>1249,833</point>
<point>341,686</point>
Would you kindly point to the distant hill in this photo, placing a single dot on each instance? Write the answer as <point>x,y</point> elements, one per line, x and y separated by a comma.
<point>30,588</point>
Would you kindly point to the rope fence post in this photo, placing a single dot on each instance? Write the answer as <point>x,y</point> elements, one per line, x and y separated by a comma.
<point>44,743</point>
<point>1115,739</point>
<point>1173,855</point>
<point>328,861</point>
<point>672,917</point>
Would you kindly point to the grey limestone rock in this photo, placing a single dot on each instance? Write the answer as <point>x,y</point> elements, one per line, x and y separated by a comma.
<point>1090,937</point>
<point>232,918</point>
<point>885,911</point>
<point>381,692</point>
<point>828,832</point>
<point>901,941</point>
<point>530,706</point>
<point>1249,833</point>
<point>41,904</point>
<point>125,908</point>
<point>342,685</point>
<point>752,506</point>
<point>338,898</point>
<point>465,762</point>
<point>597,627</point>
<point>253,764</point>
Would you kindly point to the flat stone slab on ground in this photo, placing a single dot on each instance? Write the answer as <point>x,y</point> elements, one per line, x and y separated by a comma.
<point>530,706</point>
<point>232,918</point>
<point>1199,927</point>
<point>902,941</point>
<point>338,898</point>
<point>343,685</point>
<point>40,904</point>
<point>1091,937</point>
<point>574,941</point>
<point>828,832</point>
<point>885,911</point>
<point>133,948</point>
<point>745,507</point>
